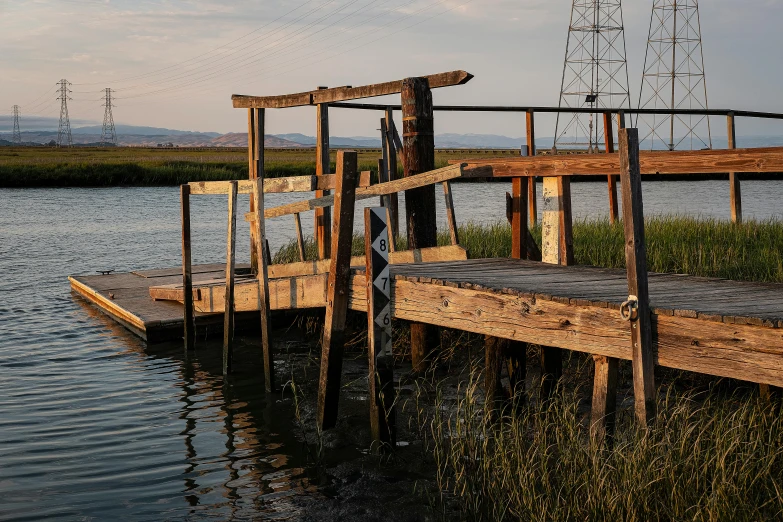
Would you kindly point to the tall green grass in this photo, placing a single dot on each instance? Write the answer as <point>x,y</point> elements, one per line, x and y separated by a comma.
<point>706,458</point>
<point>751,251</point>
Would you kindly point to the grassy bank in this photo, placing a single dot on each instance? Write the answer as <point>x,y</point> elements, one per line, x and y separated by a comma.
<point>714,453</point>
<point>103,167</point>
<point>752,251</point>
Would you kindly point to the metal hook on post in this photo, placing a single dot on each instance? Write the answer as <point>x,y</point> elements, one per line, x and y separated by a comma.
<point>629,308</point>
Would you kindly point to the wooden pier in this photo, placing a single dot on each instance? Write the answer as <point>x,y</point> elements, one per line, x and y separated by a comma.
<point>711,326</point>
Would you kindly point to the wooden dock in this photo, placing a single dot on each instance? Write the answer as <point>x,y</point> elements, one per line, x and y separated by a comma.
<point>711,326</point>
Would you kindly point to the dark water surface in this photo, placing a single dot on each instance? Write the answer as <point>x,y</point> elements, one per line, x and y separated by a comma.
<point>96,425</point>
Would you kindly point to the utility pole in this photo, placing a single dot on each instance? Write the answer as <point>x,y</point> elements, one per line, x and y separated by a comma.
<point>64,130</point>
<point>17,136</point>
<point>108,134</point>
<point>673,77</point>
<point>595,72</point>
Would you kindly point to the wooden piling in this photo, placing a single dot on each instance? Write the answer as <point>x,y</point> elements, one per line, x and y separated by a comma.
<point>421,220</point>
<point>377,243</point>
<point>252,174</point>
<point>519,205</point>
<point>611,179</point>
<point>494,349</point>
<point>734,181</point>
<point>602,415</point>
<point>451,218</point>
<point>189,333</point>
<point>532,201</point>
<point>337,291</point>
<point>259,225</point>
<point>228,315</point>
<point>323,216</point>
<point>391,169</point>
<point>299,237</point>
<point>643,357</point>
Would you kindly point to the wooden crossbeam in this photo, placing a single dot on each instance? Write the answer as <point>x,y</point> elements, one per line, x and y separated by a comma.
<point>768,159</point>
<point>345,93</point>
<point>381,189</point>
<point>272,185</point>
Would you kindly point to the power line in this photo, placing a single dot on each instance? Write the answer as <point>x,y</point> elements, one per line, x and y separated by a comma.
<point>64,129</point>
<point>108,133</point>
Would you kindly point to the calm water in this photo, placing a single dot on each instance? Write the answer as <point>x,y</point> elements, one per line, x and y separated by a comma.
<point>95,425</point>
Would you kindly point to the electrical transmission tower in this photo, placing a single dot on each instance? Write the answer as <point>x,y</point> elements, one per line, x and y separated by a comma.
<point>17,136</point>
<point>108,134</point>
<point>673,77</point>
<point>595,73</point>
<point>64,130</point>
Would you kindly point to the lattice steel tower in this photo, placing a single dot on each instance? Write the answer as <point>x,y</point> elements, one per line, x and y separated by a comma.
<point>64,130</point>
<point>17,135</point>
<point>108,134</point>
<point>673,78</point>
<point>595,73</point>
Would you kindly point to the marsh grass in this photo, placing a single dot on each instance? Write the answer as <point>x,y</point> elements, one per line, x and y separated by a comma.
<point>708,457</point>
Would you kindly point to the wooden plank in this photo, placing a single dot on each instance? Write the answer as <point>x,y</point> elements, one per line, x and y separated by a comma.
<point>636,265</point>
<point>299,237</point>
<point>610,179</point>
<point>762,160</point>
<point>450,216</point>
<point>421,220</point>
<point>189,332</point>
<point>245,186</point>
<point>228,315</point>
<point>337,292</point>
<point>379,327</point>
<point>421,180</point>
<point>338,94</point>
<point>604,406</point>
<point>261,247</point>
<point>323,215</point>
<point>422,255</point>
<point>734,181</point>
<point>532,201</point>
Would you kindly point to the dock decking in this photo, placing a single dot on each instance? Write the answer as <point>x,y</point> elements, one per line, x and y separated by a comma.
<point>724,328</point>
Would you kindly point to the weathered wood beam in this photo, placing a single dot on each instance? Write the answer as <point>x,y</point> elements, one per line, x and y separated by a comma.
<point>337,291</point>
<point>532,201</point>
<point>299,237</point>
<point>636,265</point>
<point>245,186</point>
<point>392,150</point>
<point>611,180</point>
<point>231,247</point>
<point>323,215</point>
<point>346,93</point>
<point>189,333</point>
<point>761,160</point>
<point>451,217</point>
<point>734,181</point>
<point>602,412</point>
<point>252,152</point>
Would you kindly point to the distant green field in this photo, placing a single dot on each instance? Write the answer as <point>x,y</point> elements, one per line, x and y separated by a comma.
<point>129,166</point>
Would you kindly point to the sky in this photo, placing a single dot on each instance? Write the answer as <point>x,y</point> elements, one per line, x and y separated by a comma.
<point>175,63</point>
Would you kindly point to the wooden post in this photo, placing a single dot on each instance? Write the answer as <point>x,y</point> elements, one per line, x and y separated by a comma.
<point>231,244</point>
<point>450,216</point>
<point>734,181</point>
<point>189,333</point>
<point>419,145</point>
<point>556,248</point>
<point>519,205</point>
<point>379,328</point>
<point>494,348</point>
<point>391,169</point>
<point>643,358</point>
<point>611,180</point>
<point>337,292</point>
<point>299,237</point>
<point>259,225</point>
<point>385,200</point>
<point>252,174</point>
<point>620,120</point>
<point>602,415</point>
<point>532,202</point>
<point>323,216</point>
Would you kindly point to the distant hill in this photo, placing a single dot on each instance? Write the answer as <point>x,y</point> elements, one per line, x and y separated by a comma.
<point>140,131</point>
